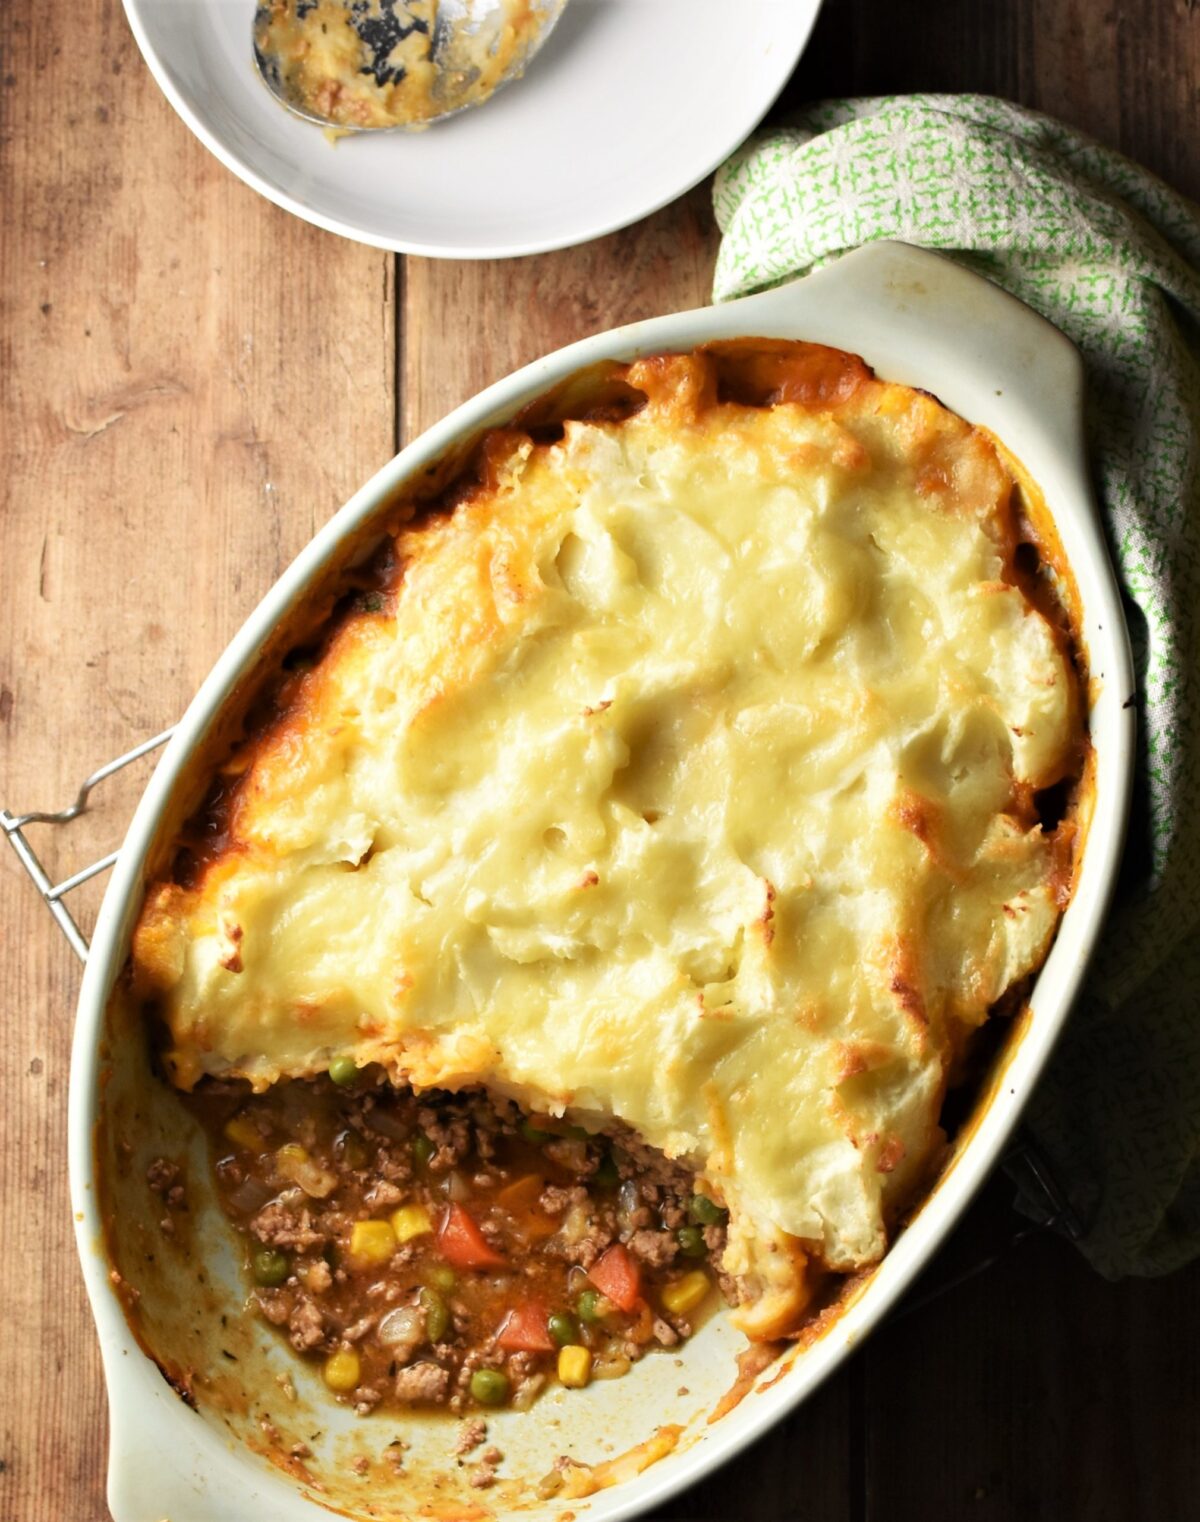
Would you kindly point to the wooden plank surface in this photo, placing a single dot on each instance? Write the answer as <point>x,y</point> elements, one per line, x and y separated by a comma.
<point>467,324</point>
<point>180,404</point>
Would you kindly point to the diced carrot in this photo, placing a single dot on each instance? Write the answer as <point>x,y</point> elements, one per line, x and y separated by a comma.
<point>522,1194</point>
<point>462,1244</point>
<point>616,1274</point>
<point>642,1329</point>
<point>524,1329</point>
<point>535,1226</point>
<point>520,1200</point>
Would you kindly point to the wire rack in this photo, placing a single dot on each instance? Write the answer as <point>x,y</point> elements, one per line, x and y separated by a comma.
<point>1046,1205</point>
<point>53,894</point>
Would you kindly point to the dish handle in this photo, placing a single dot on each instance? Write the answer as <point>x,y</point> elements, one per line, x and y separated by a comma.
<point>912,302</point>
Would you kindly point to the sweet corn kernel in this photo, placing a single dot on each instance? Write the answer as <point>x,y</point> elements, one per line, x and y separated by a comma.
<point>574,1366</point>
<point>242,1132</point>
<point>343,1369</point>
<point>292,1152</point>
<point>686,1293</point>
<point>411,1221</point>
<point>371,1243</point>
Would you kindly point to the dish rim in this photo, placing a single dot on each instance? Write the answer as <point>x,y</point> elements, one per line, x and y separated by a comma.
<point>880,281</point>
<point>196,123</point>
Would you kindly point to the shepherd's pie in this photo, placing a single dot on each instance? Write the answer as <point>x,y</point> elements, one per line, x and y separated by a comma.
<point>683,773</point>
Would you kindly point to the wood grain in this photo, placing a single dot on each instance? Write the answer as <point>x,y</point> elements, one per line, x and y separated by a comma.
<point>190,381</point>
<point>662,265</point>
<point>467,324</point>
<point>181,406</point>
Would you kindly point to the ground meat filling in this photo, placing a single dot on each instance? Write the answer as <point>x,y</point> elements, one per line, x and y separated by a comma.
<point>446,1250</point>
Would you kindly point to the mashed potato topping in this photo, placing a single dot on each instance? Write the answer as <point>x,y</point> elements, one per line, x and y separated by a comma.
<point>681,776</point>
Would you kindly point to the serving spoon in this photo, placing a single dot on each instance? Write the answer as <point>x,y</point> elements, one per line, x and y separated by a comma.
<point>460,34</point>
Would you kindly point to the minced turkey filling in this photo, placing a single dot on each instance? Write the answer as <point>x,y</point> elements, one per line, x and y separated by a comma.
<point>443,1250</point>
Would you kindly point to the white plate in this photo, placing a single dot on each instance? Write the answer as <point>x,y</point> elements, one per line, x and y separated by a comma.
<point>629,104</point>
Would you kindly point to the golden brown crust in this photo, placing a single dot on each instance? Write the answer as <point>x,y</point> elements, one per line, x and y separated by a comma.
<point>877,876</point>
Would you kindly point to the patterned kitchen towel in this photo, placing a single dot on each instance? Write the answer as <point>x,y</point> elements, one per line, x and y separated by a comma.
<point>1110,255</point>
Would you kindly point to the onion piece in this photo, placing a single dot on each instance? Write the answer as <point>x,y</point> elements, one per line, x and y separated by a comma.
<point>527,1391</point>
<point>575,1224</point>
<point>610,1366</point>
<point>382,1120</point>
<point>628,1200</point>
<point>406,1324</point>
<point>250,1196</point>
<point>317,1182</point>
<point>457,1188</point>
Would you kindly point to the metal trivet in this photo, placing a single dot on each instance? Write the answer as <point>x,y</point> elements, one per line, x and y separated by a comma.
<point>52,894</point>
<point>1024,1162</point>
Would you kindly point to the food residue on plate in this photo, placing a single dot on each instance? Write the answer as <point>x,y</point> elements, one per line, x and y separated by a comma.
<point>393,63</point>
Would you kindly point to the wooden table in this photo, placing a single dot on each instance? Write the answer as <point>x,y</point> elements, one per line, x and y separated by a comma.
<point>192,382</point>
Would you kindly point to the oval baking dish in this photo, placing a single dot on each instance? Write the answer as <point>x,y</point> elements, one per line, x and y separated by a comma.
<point>260,1436</point>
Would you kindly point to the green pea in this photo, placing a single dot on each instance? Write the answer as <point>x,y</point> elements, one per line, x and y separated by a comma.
<point>563,1328</point>
<point>606,1174</point>
<point>705,1212</point>
<point>591,1306</point>
<point>443,1277</point>
<point>343,1070</point>
<point>270,1267</point>
<point>489,1387</point>
<point>691,1241</point>
<point>437,1314</point>
<point>534,1134</point>
<point>422,1149</point>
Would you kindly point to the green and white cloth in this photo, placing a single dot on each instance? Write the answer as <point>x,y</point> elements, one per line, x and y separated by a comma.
<point>1110,255</point>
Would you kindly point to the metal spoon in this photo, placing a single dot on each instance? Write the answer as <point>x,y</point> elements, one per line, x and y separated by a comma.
<point>463,42</point>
